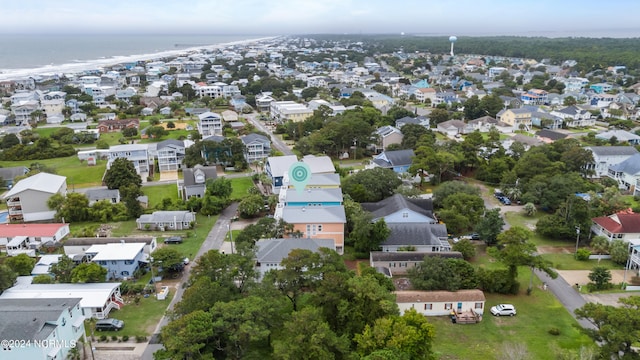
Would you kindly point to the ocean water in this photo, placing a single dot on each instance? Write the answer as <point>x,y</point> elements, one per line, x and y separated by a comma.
<point>21,55</point>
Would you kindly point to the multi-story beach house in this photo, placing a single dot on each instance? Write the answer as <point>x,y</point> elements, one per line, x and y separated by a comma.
<point>137,154</point>
<point>209,124</point>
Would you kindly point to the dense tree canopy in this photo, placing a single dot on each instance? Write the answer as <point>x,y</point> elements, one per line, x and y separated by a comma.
<point>121,173</point>
<point>371,185</point>
<point>617,327</point>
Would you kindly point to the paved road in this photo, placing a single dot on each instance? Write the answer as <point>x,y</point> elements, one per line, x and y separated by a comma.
<point>565,293</point>
<point>276,142</point>
<point>214,240</point>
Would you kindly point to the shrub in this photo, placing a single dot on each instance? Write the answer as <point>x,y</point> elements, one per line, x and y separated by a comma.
<point>114,338</point>
<point>465,247</point>
<point>554,331</point>
<point>125,338</point>
<point>497,281</point>
<point>103,337</point>
<point>140,338</point>
<point>583,254</point>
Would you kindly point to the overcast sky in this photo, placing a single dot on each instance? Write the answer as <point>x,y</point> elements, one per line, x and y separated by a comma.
<point>598,18</point>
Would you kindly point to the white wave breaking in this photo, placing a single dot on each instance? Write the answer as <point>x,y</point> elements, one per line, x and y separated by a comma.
<point>79,66</point>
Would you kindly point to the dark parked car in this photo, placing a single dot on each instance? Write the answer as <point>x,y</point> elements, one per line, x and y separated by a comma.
<point>109,325</point>
<point>173,240</point>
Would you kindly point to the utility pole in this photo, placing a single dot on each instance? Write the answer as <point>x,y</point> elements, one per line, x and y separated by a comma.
<point>577,238</point>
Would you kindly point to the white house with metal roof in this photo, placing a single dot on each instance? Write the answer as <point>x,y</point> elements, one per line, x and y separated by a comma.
<point>276,167</point>
<point>209,124</point>
<point>137,154</point>
<point>27,199</point>
<point>319,164</point>
<point>98,299</point>
<point>120,259</point>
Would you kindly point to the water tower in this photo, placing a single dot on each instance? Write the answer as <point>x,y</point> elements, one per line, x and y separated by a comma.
<point>452,40</point>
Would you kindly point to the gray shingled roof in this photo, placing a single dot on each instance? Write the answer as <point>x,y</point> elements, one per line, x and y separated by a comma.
<point>415,234</point>
<point>31,319</point>
<point>550,134</point>
<point>249,138</point>
<point>168,142</point>
<point>613,150</point>
<point>621,135</point>
<point>395,158</point>
<point>398,202</point>
<point>630,166</point>
<point>101,194</point>
<point>274,250</point>
<point>167,217</point>
<point>210,172</point>
<point>214,138</point>
<point>408,120</point>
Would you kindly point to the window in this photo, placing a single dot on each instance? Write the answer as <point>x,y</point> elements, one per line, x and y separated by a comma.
<point>448,306</point>
<point>478,305</point>
<point>405,214</point>
<point>428,306</point>
<point>64,321</point>
<point>125,273</point>
<point>113,262</point>
<point>128,262</point>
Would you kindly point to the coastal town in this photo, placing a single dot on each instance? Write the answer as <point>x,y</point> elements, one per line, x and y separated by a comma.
<point>315,197</point>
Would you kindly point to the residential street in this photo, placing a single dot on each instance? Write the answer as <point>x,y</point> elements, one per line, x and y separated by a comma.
<point>276,142</point>
<point>567,294</point>
<point>213,241</point>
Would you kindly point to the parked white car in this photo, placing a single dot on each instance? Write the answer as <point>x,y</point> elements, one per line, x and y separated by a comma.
<point>503,310</point>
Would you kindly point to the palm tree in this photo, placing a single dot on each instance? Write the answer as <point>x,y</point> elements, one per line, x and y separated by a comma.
<point>35,116</point>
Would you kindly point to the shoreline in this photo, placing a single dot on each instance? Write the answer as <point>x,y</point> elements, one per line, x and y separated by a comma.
<point>74,68</point>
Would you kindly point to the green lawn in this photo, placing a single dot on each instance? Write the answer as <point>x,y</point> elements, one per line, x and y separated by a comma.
<point>240,187</point>
<point>78,173</point>
<point>630,201</point>
<point>111,138</point>
<point>172,134</point>
<point>191,244</point>
<point>569,262</point>
<point>139,320</point>
<point>47,131</point>
<point>519,219</point>
<point>158,192</point>
<point>537,314</point>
